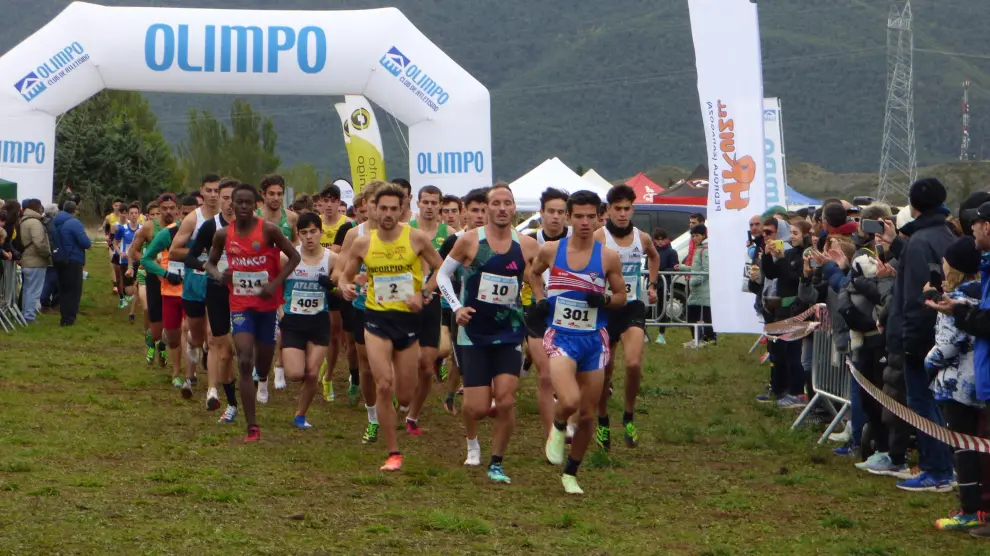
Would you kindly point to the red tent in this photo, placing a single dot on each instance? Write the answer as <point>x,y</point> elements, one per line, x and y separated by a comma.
<point>692,190</point>
<point>644,187</point>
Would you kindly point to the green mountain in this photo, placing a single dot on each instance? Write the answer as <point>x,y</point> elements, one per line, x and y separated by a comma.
<point>611,85</point>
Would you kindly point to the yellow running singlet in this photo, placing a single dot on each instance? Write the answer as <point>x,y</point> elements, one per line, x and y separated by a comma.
<point>330,231</point>
<point>394,272</point>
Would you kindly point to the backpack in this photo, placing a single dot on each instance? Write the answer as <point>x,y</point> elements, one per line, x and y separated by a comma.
<point>55,240</point>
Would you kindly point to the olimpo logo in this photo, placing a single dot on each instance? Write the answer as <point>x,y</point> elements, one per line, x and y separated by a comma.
<point>22,152</point>
<point>414,78</point>
<point>51,71</point>
<point>451,162</point>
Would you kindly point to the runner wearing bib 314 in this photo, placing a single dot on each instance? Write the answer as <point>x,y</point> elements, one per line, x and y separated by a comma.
<point>255,277</point>
<point>576,341</point>
<point>392,254</point>
<point>627,323</point>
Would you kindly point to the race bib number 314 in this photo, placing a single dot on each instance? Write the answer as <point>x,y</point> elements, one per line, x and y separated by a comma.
<point>249,283</point>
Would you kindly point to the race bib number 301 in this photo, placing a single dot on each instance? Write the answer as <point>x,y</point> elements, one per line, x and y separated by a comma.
<point>574,315</point>
<point>306,302</point>
<point>390,289</point>
<point>249,283</point>
<point>498,290</point>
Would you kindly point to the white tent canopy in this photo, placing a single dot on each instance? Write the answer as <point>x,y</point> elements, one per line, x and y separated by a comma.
<point>591,176</point>
<point>551,173</point>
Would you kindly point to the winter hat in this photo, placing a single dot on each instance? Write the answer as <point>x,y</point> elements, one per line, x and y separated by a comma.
<point>927,194</point>
<point>968,210</point>
<point>963,255</point>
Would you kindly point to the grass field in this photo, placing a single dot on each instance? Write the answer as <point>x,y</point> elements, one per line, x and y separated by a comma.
<point>99,455</point>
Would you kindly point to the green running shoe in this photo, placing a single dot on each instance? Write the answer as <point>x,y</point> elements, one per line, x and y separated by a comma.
<point>177,382</point>
<point>150,356</point>
<point>162,358</point>
<point>632,435</point>
<point>444,373</point>
<point>603,437</point>
<point>370,434</point>
<point>496,474</point>
<point>554,449</point>
<point>570,484</point>
<point>353,394</point>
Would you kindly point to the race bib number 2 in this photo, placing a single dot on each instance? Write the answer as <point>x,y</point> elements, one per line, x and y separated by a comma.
<point>390,289</point>
<point>249,283</point>
<point>574,315</point>
<point>498,290</point>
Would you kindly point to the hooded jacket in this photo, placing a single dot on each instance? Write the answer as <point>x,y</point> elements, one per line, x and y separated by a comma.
<point>73,238</point>
<point>37,250</point>
<point>951,360</point>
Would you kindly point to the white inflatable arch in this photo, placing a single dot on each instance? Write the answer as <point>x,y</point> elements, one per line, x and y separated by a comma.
<point>378,53</point>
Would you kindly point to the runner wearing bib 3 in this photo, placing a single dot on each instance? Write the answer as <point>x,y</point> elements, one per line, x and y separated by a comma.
<point>627,323</point>
<point>255,277</point>
<point>576,341</point>
<point>305,325</point>
<point>493,261</point>
<point>393,255</point>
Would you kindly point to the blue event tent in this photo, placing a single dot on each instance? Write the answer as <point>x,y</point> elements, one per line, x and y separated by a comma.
<point>797,199</point>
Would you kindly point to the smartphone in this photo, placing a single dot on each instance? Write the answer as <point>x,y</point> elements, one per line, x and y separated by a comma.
<point>871,227</point>
<point>780,245</point>
<point>935,279</point>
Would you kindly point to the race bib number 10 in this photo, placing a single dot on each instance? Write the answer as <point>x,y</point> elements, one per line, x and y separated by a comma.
<point>249,283</point>
<point>498,290</point>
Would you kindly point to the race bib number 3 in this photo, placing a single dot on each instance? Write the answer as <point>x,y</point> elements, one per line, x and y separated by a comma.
<point>306,302</point>
<point>574,314</point>
<point>498,290</point>
<point>249,283</point>
<point>177,267</point>
<point>390,289</point>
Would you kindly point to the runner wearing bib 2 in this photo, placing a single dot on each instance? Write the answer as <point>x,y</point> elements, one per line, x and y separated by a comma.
<point>627,323</point>
<point>255,277</point>
<point>493,261</point>
<point>576,341</point>
<point>305,325</point>
<point>393,255</point>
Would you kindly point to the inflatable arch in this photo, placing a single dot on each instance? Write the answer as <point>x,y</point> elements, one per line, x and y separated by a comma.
<point>382,55</point>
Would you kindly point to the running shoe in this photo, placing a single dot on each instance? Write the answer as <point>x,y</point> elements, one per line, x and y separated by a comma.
<point>846,450</point>
<point>370,433</point>
<point>496,474</point>
<point>253,434</point>
<point>301,423</point>
<point>194,380</point>
<point>254,376</point>
<point>843,437</point>
<point>443,373</point>
<point>212,400</point>
<point>901,471</point>
<point>554,449</point>
<point>328,393</point>
<point>228,415</point>
<point>262,396</point>
<point>632,435</point>
<point>660,341</point>
<point>570,484</point>
<point>280,378</point>
<point>162,358</point>
<point>958,521</point>
<point>879,460</point>
<point>393,463</point>
<point>792,402</point>
<point>473,457</point>
<point>177,382</point>
<point>187,389</point>
<point>122,304</point>
<point>603,437</point>
<point>128,299</point>
<point>192,353</point>
<point>353,394</point>
<point>412,427</point>
<point>448,405</point>
<point>925,482</point>
<point>765,398</point>
<point>150,355</point>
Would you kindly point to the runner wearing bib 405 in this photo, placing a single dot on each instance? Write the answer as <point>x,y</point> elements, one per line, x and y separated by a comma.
<point>628,323</point>
<point>576,341</point>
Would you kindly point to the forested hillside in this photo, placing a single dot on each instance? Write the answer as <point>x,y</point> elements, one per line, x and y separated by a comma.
<point>611,85</point>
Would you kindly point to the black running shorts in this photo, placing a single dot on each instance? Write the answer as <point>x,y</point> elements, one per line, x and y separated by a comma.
<point>632,315</point>
<point>218,309</point>
<point>357,326</point>
<point>194,309</point>
<point>153,291</point>
<point>347,317</point>
<point>429,327</point>
<point>535,327</point>
<point>481,364</point>
<point>398,327</point>
<point>299,330</point>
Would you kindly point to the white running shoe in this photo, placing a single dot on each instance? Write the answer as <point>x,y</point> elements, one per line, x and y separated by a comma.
<point>212,400</point>
<point>473,457</point>
<point>279,378</point>
<point>262,396</point>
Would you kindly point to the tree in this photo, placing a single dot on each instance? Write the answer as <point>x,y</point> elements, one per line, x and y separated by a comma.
<point>110,146</point>
<point>302,178</point>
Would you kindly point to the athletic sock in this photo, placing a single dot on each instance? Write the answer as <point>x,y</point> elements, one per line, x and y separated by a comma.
<point>473,445</point>
<point>559,425</point>
<point>411,420</point>
<point>372,413</point>
<point>390,454</point>
<point>627,417</point>
<point>572,466</point>
<point>495,459</point>
<point>230,390</point>
<point>147,339</point>
<point>355,377</point>
<point>603,421</point>
<point>161,345</point>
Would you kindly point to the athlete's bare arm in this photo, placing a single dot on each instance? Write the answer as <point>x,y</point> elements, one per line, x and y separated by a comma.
<point>292,218</point>
<point>541,262</point>
<point>529,249</point>
<point>423,246</point>
<point>463,252</point>
<point>140,238</point>
<point>342,253</point>
<point>612,266</point>
<point>652,265</point>
<point>216,251</point>
<point>274,236</point>
<point>358,250</point>
<point>179,249</point>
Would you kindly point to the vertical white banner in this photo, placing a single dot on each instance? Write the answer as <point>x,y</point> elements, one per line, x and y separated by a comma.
<point>773,151</point>
<point>730,87</point>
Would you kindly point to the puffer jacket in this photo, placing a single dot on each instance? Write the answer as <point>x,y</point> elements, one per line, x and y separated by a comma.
<point>951,359</point>
<point>37,249</point>
<point>700,293</point>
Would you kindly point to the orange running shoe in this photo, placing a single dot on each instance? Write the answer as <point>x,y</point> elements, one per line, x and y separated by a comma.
<point>393,463</point>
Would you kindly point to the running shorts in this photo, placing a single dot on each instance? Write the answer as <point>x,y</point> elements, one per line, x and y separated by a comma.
<point>347,317</point>
<point>260,324</point>
<point>398,327</point>
<point>357,326</point>
<point>194,309</point>
<point>631,315</point>
<point>536,327</point>
<point>446,318</point>
<point>128,282</point>
<point>335,303</point>
<point>589,351</point>
<point>153,291</point>
<point>481,364</point>
<point>299,330</point>
<point>218,309</point>
<point>115,259</point>
<point>171,312</point>
<point>429,324</point>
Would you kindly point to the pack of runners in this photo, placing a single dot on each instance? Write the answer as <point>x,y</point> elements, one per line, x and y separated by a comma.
<point>453,292</point>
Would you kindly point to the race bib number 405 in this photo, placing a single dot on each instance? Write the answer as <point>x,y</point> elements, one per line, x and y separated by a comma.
<point>249,283</point>
<point>306,302</point>
<point>574,314</point>
<point>389,289</point>
<point>498,290</point>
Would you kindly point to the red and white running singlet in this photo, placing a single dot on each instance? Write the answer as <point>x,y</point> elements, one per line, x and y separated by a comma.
<point>254,264</point>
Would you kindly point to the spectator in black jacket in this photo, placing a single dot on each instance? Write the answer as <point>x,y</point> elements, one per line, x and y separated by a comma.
<point>668,262</point>
<point>784,263</point>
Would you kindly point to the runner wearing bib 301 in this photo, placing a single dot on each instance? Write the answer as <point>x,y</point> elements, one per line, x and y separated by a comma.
<point>627,323</point>
<point>576,341</point>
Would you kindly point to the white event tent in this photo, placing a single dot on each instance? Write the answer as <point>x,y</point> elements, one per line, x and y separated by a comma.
<point>591,176</point>
<point>551,173</point>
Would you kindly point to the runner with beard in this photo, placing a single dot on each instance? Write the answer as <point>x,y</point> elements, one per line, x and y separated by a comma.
<point>167,211</point>
<point>220,357</point>
<point>628,323</point>
<point>553,215</point>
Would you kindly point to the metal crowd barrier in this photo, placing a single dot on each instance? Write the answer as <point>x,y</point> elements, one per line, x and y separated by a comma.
<point>10,284</point>
<point>829,378</point>
<point>669,305</point>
